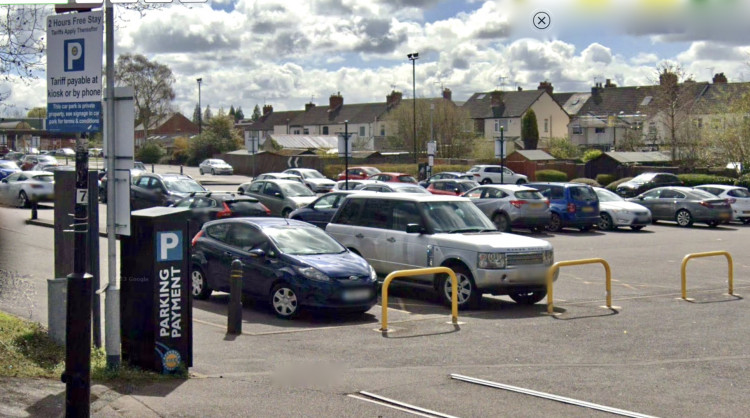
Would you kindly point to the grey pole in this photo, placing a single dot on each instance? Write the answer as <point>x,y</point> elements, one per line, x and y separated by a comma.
<point>112,300</point>
<point>502,157</point>
<point>200,110</point>
<point>414,56</point>
<point>346,153</point>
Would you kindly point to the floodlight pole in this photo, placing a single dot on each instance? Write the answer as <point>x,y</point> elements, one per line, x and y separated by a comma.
<point>414,56</point>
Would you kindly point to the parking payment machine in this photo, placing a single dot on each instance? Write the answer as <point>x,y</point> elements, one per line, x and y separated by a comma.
<point>155,303</point>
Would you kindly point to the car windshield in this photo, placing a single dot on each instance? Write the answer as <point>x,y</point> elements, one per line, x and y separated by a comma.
<point>46,178</point>
<point>411,189</point>
<point>183,185</point>
<point>528,195</point>
<point>456,216</point>
<point>296,240</point>
<point>370,171</point>
<point>312,175</point>
<point>643,178</point>
<point>739,193</point>
<point>702,194</point>
<point>9,166</point>
<point>139,166</point>
<point>475,169</point>
<point>219,162</point>
<point>607,196</point>
<point>467,185</point>
<point>294,190</point>
<point>582,194</point>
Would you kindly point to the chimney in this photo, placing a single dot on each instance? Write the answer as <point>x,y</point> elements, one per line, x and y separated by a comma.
<point>267,109</point>
<point>520,88</point>
<point>546,85</point>
<point>335,101</point>
<point>496,98</point>
<point>393,99</point>
<point>720,78</point>
<point>309,106</point>
<point>609,84</point>
<point>447,94</point>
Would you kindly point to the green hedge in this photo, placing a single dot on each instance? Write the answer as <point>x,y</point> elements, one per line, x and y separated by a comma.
<point>584,180</point>
<point>743,181</point>
<point>550,175</point>
<point>691,180</point>
<point>149,153</point>
<point>605,179</point>
<point>612,186</point>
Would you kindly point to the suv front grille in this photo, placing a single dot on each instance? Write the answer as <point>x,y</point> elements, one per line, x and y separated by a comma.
<point>525,259</point>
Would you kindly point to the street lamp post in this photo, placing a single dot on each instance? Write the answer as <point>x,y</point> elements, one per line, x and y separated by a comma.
<point>414,56</point>
<point>502,157</point>
<point>200,110</point>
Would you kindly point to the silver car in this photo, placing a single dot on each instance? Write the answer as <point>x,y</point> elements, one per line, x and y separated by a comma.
<point>278,176</point>
<point>215,166</point>
<point>685,206</point>
<point>313,179</point>
<point>21,188</point>
<point>390,187</point>
<point>615,211</point>
<point>281,197</point>
<point>512,206</point>
<point>738,198</point>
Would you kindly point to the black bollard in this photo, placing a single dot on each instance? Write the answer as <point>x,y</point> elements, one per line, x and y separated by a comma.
<point>234,316</point>
<point>152,167</point>
<point>77,375</point>
<point>180,168</point>
<point>34,207</point>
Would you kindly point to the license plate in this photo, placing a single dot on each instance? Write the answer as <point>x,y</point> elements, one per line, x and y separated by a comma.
<point>587,209</point>
<point>536,205</point>
<point>745,212</point>
<point>723,215</point>
<point>357,294</point>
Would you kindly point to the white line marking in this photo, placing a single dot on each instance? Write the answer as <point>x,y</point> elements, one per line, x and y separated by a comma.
<point>361,398</point>
<point>406,405</point>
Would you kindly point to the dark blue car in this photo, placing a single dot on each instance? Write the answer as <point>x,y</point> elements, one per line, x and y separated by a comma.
<point>289,263</point>
<point>7,168</point>
<point>572,205</point>
<point>321,210</point>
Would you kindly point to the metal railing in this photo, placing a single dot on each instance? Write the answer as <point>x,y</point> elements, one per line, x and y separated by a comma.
<point>419,272</point>
<point>706,254</point>
<point>556,266</point>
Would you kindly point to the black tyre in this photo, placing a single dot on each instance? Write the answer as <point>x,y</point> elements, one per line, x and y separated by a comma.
<point>200,170</point>
<point>555,223</point>
<point>537,229</point>
<point>103,195</point>
<point>285,213</point>
<point>746,221</point>
<point>636,227</point>
<point>469,297</point>
<point>521,181</point>
<point>23,200</point>
<point>501,221</point>
<point>528,298</point>
<point>683,218</point>
<point>487,181</point>
<point>199,284</point>
<point>213,172</point>
<point>713,224</point>
<point>585,228</point>
<point>284,301</point>
<point>605,222</point>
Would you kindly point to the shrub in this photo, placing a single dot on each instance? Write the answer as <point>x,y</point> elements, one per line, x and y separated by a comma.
<point>584,180</point>
<point>692,180</point>
<point>590,155</point>
<point>605,179</point>
<point>612,186</point>
<point>550,175</point>
<point>743,181</point>
<point>149,153</point>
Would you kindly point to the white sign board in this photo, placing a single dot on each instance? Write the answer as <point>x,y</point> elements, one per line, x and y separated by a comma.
<point>74,72</point>
<point>344,146</point>
<point>431,148</point>
<point>499,148</point>
<point>251,142</point>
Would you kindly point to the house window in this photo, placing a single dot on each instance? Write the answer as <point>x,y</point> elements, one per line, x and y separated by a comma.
<point>501,123</point>
<point>577,130</point>
<point>361,131</point>
<point>382,130</point>
<point>600,130</point>
<point>306,131</point>
<point>296,131</point>
<point>698,122</point>
<point>325,130</point>
<point>546,125</point>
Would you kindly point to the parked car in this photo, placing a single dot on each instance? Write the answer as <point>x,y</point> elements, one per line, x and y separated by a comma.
<point>615,212</point>
<point>445,175</point>
<point>21,188</point>
<point>65,152</point>
<point>14,156</point>
<point>511,206</point>
<point>341,184</point>
<point>52,167</point>
<point>738,198</point>
<point>359,173</point>
<point>646,181</point>
<point>312,179</point>
<point>406,231</point>
<point>384,187</point>
<point>134,172</point>
<point>215,166</point>
<point>488,174</point>
<point>138,167</point>
<point>8,167</point>
<point>31,160</point>
<point>394,178</point>
<point>572,205</point>
<point>210,206</point>
<point>455,187</point>
<point>685,205</point>
<point>320,211</point>
<point>151,189</point>
<point>280,196</point>
<point>279,176</point>
<point>290,264</point>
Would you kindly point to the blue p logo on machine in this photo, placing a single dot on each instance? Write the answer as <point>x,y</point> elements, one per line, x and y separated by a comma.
<point>73,55</point>
<point>169,246</point>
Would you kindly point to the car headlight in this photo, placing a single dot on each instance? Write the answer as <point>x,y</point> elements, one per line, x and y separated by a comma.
<point>313,274</point>
<point>549,257</point>
<point>373,275</point>
<point>491,261</point>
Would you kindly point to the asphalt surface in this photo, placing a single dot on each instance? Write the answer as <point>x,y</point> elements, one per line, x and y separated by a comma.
<point>655,354</point>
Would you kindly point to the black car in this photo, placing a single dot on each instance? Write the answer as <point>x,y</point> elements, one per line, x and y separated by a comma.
<point>210,206</point>
<point>149,189</point>
<point>320,211</point>
<point>289,263</point>
<point>647,181</point>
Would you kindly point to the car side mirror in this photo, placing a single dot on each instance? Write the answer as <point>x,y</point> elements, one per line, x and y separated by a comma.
<point>640,197</point>
<point>414,229</point>
<point>257,252</point>
<point>277,194</point>
<point>5,181</point>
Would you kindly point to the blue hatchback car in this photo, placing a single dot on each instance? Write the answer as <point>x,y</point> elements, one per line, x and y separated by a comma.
<point>291,264</point>
<point>572,205</point>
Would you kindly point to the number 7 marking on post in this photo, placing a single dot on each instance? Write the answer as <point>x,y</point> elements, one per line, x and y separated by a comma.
<point>82,197</point>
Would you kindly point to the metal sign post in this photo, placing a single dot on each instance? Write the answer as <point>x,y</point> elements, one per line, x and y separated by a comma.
<point>344,141</point>
<point>500,153</point>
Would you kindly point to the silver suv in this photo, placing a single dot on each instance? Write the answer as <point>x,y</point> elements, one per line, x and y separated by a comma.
<point>397,231</point>
<point>489,174</point>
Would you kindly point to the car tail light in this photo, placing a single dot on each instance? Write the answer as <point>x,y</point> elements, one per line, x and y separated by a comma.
<point>706,204</point>
<point>547,202</point>
<point>36,186</point>
<point>571,208</point>
<point>226,213</point>
<point>731,200</point>
<point>476,174</point>
<point>195,238</point>
<point>268,211</point>
<point>518,203</point>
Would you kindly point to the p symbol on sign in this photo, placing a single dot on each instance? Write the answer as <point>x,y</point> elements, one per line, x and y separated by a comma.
<point>169,246</point>
<point>73,54</point>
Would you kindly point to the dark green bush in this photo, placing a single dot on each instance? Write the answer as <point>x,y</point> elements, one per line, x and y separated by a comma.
<point>743,181</point>
<point>591,154</point>
<point>605,179</point>
<point>612,186</point>
<point>691,180</point>
<point>149,153</point>
<point>584,180</point>
<point>550,175</point>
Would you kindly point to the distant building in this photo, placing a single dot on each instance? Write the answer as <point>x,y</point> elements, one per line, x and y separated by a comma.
<point>166,130</point>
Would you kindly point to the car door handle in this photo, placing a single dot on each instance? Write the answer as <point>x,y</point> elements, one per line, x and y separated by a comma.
<point>227,254</point>
<point>391,239</point>
<point>359,236</point>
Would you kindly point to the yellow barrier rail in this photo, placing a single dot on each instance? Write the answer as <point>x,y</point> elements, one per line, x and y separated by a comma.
<point>418,272</point>
<point>707,254</point>
<point>552,270</point>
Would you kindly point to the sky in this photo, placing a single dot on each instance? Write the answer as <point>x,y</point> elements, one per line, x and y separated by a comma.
<point>286,53</point>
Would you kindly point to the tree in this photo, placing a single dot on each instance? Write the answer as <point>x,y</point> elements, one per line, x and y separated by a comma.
<point>672,102</point>
<point>180,153</point>
<point>207,115</point>
<point>563,149</point>
<point>731,133</point>
<point>149,153</point>
<point>152,83</point>
<point>238,115</point>
<point>218,136</point>
<point>37,112</point>
<point>256,114</point>
<point>22,43</point>
<point>232,112</point>
<point>529,130</point>
<point>631,140</point>
<point>197,115</point>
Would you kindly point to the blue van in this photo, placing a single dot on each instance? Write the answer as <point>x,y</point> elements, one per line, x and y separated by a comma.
<point>572,205</point>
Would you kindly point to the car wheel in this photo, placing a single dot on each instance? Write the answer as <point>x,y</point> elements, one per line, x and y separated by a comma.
<point>285,213</point>
<point>537,229</point>
<point>521,181</point>
<point>200,170</point>
<point>501,221</point>
<point>636,227</point>
<point>213,172</point>
<point>469,297</point>
<point>585,228</point>
<point>199,284</point>
<point>605,222</point>
<point>23,200</point>
<point>528,298</point>
<point>713,224</point>
<point>684,218</point>
<point>746,221</point>
<point>103,195</point>
<point>486,181</point>
<point>284,301</point>
<point>555,224</point>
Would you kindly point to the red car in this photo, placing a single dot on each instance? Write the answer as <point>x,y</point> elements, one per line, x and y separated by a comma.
<point>394,177</point>
<point>359,173</point>
<point>451,187</point>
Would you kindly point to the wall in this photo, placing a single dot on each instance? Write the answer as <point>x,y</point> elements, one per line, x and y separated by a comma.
<point>546,108</point>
